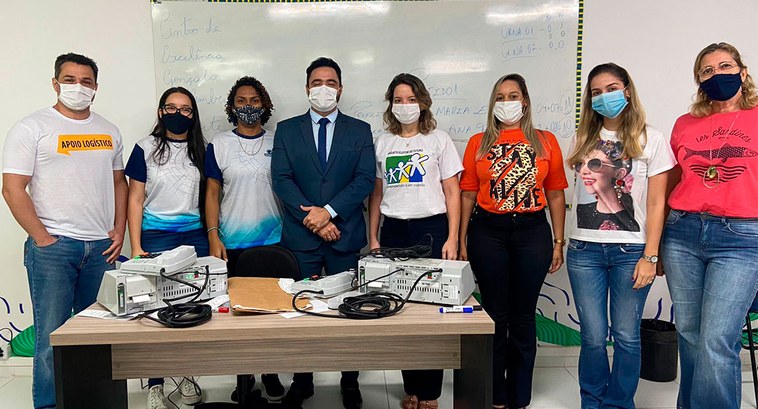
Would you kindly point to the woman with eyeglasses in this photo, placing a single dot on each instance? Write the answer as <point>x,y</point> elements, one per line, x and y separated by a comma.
<point>241,210</point>
<point>710,244</point>
<point>416,191</point>
<point>622,165</point>
<point>166,195</point>
<point>511,172</point>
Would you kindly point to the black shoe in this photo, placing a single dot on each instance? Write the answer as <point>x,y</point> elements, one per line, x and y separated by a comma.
<point>296,395</point>
<point>351,398</point>
<point>273,387</point>
<point>250,385</point>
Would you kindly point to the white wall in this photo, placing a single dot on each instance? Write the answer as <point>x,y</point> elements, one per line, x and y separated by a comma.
<point>655,40</point>
<point>118,36</point>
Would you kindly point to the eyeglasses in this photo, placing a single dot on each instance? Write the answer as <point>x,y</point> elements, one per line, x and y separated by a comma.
<point>709,71</point>
<point>170,109</point>
<point>593,165</point>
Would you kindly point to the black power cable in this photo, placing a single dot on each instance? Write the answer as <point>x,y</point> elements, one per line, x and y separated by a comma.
<point>10,344</point>
<point>372,305</point>
<point>418,250</point>
<point>183,315</point>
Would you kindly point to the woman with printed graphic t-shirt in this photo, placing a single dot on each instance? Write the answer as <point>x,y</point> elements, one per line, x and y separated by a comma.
<point>621,169</point>
<point>510,173</point>
<point>416,191</point>
<point>710,242</point>
<point>166,192</point>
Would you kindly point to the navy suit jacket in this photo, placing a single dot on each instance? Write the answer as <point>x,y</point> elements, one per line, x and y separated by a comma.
<point>299,180</point>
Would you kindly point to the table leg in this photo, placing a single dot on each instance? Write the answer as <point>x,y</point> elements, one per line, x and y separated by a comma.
<point>472,384</point>
<point>83,378</point>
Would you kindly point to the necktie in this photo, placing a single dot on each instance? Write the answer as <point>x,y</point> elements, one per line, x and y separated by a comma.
<point>322,141</point>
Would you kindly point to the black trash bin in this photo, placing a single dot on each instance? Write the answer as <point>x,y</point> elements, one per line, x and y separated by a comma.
<point>659,350</point>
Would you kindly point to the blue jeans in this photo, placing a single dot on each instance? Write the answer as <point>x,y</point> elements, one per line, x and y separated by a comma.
<point>597,270</point>
<point>159,240</point>
<point>63,277</point>
<point>711,266</point>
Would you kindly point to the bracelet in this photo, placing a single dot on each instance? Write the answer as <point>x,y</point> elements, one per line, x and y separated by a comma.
<point>210,229</point>
<point>562,242</point>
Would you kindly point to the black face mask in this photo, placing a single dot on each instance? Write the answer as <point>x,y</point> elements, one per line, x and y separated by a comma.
<point>177,123</point>
<point>722,87</point>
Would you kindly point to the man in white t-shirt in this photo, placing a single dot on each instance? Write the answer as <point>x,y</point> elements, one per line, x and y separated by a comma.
<point>75,209</point>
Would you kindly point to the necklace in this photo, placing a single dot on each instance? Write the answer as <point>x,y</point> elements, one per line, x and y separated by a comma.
<point>712,176</point>
<point>407,139</point>
<point>255,149</point>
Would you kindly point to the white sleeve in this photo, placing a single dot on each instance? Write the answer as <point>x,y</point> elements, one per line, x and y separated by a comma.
<point>20,151</point>
<point>118,150</point>
<point>450,162</point>
<point>660,156</point>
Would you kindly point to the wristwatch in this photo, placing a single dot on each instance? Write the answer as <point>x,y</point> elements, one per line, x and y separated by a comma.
<point>651,259</point>
<point>560,242</point>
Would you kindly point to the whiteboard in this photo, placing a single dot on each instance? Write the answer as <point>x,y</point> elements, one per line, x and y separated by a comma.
<point>458,48</point>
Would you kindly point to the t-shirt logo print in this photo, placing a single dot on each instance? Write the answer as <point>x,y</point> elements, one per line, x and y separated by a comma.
<point>405,168</point>
<point>719,158</point>
<point>68,143</point>
<point>514,176</point>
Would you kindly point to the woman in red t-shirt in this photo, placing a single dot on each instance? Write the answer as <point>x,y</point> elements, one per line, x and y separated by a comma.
<point>710,244</point>
<point>510,173</point>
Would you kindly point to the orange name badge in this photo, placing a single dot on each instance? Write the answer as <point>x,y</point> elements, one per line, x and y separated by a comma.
<point>92,142</point>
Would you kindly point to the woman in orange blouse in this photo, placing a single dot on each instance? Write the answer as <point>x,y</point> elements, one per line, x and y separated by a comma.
<point>510,173</point>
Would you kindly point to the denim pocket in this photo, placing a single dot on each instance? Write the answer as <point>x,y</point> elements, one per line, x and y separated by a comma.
<point>26,251</point>
<point>747,228</point>
<point>57,239</point>
<point>632,248</point>
<point>577,245</point>
<point>674,216</point>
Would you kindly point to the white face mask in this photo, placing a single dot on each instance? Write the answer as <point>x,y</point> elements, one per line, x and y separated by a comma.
<point>508,112</point>
<point>323,98</point>
<point>406,113</point>
<point>76,97</point>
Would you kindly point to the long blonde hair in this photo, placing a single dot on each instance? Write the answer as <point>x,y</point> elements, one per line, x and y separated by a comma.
<point>702,105</point>
<point>492,132</point>
<point>632,129</point>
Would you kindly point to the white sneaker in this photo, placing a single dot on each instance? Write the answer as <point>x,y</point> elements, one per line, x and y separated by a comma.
<point>190,390</point>
<point>155,398</point>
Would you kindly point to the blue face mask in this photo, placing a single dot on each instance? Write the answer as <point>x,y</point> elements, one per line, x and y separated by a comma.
<point>610,104</point>
<point>722,87</point>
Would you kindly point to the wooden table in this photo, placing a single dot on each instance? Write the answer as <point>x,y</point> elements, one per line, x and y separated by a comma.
<point>94,357</point>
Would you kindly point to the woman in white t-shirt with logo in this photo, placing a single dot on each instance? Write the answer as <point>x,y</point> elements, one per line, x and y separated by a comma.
<point>621,168</point>
<point>417,192</point>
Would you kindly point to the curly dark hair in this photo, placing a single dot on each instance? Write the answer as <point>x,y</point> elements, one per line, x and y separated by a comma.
<point>259,88</point>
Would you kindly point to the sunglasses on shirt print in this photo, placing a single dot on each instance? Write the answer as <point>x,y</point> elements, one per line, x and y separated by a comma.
<point>593,164</point>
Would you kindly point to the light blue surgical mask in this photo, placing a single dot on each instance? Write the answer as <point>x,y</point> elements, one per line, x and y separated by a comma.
<point>610,104</point>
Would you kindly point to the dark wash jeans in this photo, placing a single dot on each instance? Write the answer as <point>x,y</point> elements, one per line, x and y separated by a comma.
<point>510,254</point>
<point>426,384</point>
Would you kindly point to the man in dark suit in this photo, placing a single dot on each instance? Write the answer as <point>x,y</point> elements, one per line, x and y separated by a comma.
<point>322,168</point>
